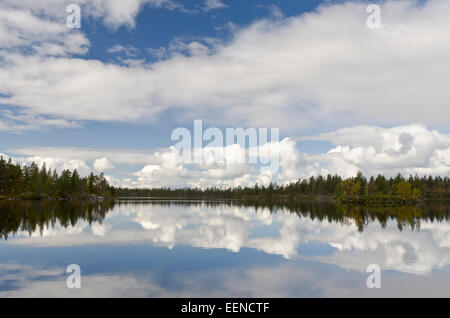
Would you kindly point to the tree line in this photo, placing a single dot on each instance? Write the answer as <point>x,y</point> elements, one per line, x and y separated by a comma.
<point>34,182</point>
<point>358,189</point>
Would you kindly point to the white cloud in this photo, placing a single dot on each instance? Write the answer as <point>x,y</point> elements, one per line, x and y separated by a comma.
<point>325,68</point>
<point>411,149</point>
<point>22,29</point>
<point>17,123</point>
<point>58,163</point>
<point>407,149</point>
<point>128,50</point>
<point>103,164</point>
<point>164,170</point>
<point>116,156</point>
<point>274,10</point>
<point>213,4</point>
<point>113,13</point>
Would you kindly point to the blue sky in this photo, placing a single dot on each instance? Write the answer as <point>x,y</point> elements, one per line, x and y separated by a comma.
<point>345,97</point>
<point>154,28</point>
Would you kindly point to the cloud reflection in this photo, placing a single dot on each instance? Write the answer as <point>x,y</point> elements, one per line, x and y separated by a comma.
<point>279,232</point>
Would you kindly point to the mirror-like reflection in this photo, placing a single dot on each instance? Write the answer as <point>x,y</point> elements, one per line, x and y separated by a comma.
<point>161,248</point>
<point>32,216</point>
<point>35,215</point>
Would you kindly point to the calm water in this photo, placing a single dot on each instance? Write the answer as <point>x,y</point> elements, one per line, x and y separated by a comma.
<point>222,249</point>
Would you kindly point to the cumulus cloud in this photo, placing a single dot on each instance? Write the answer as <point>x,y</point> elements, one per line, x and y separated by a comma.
<point>411,149</point>
<point>58,163</point>
<point>20,29</point>
<point>103,164</point>
<point>324,67</point>
<point>164,169</point>
<point>285,72</point>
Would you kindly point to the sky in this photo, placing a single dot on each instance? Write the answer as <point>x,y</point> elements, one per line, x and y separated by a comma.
<point>106,97</point>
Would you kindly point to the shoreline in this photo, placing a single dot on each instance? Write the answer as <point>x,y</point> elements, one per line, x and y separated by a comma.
<point>255,200</point>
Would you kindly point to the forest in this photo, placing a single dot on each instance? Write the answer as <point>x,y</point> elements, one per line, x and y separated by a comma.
<point>34,182</point>
<point>356,190</point>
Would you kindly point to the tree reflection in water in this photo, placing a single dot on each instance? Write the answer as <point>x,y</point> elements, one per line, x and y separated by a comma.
<point>30,216</point>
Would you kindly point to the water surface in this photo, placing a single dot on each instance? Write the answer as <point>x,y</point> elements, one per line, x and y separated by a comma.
<point>163,248</point>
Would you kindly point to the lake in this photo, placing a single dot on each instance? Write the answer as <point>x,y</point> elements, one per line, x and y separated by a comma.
<point>164,248</point>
